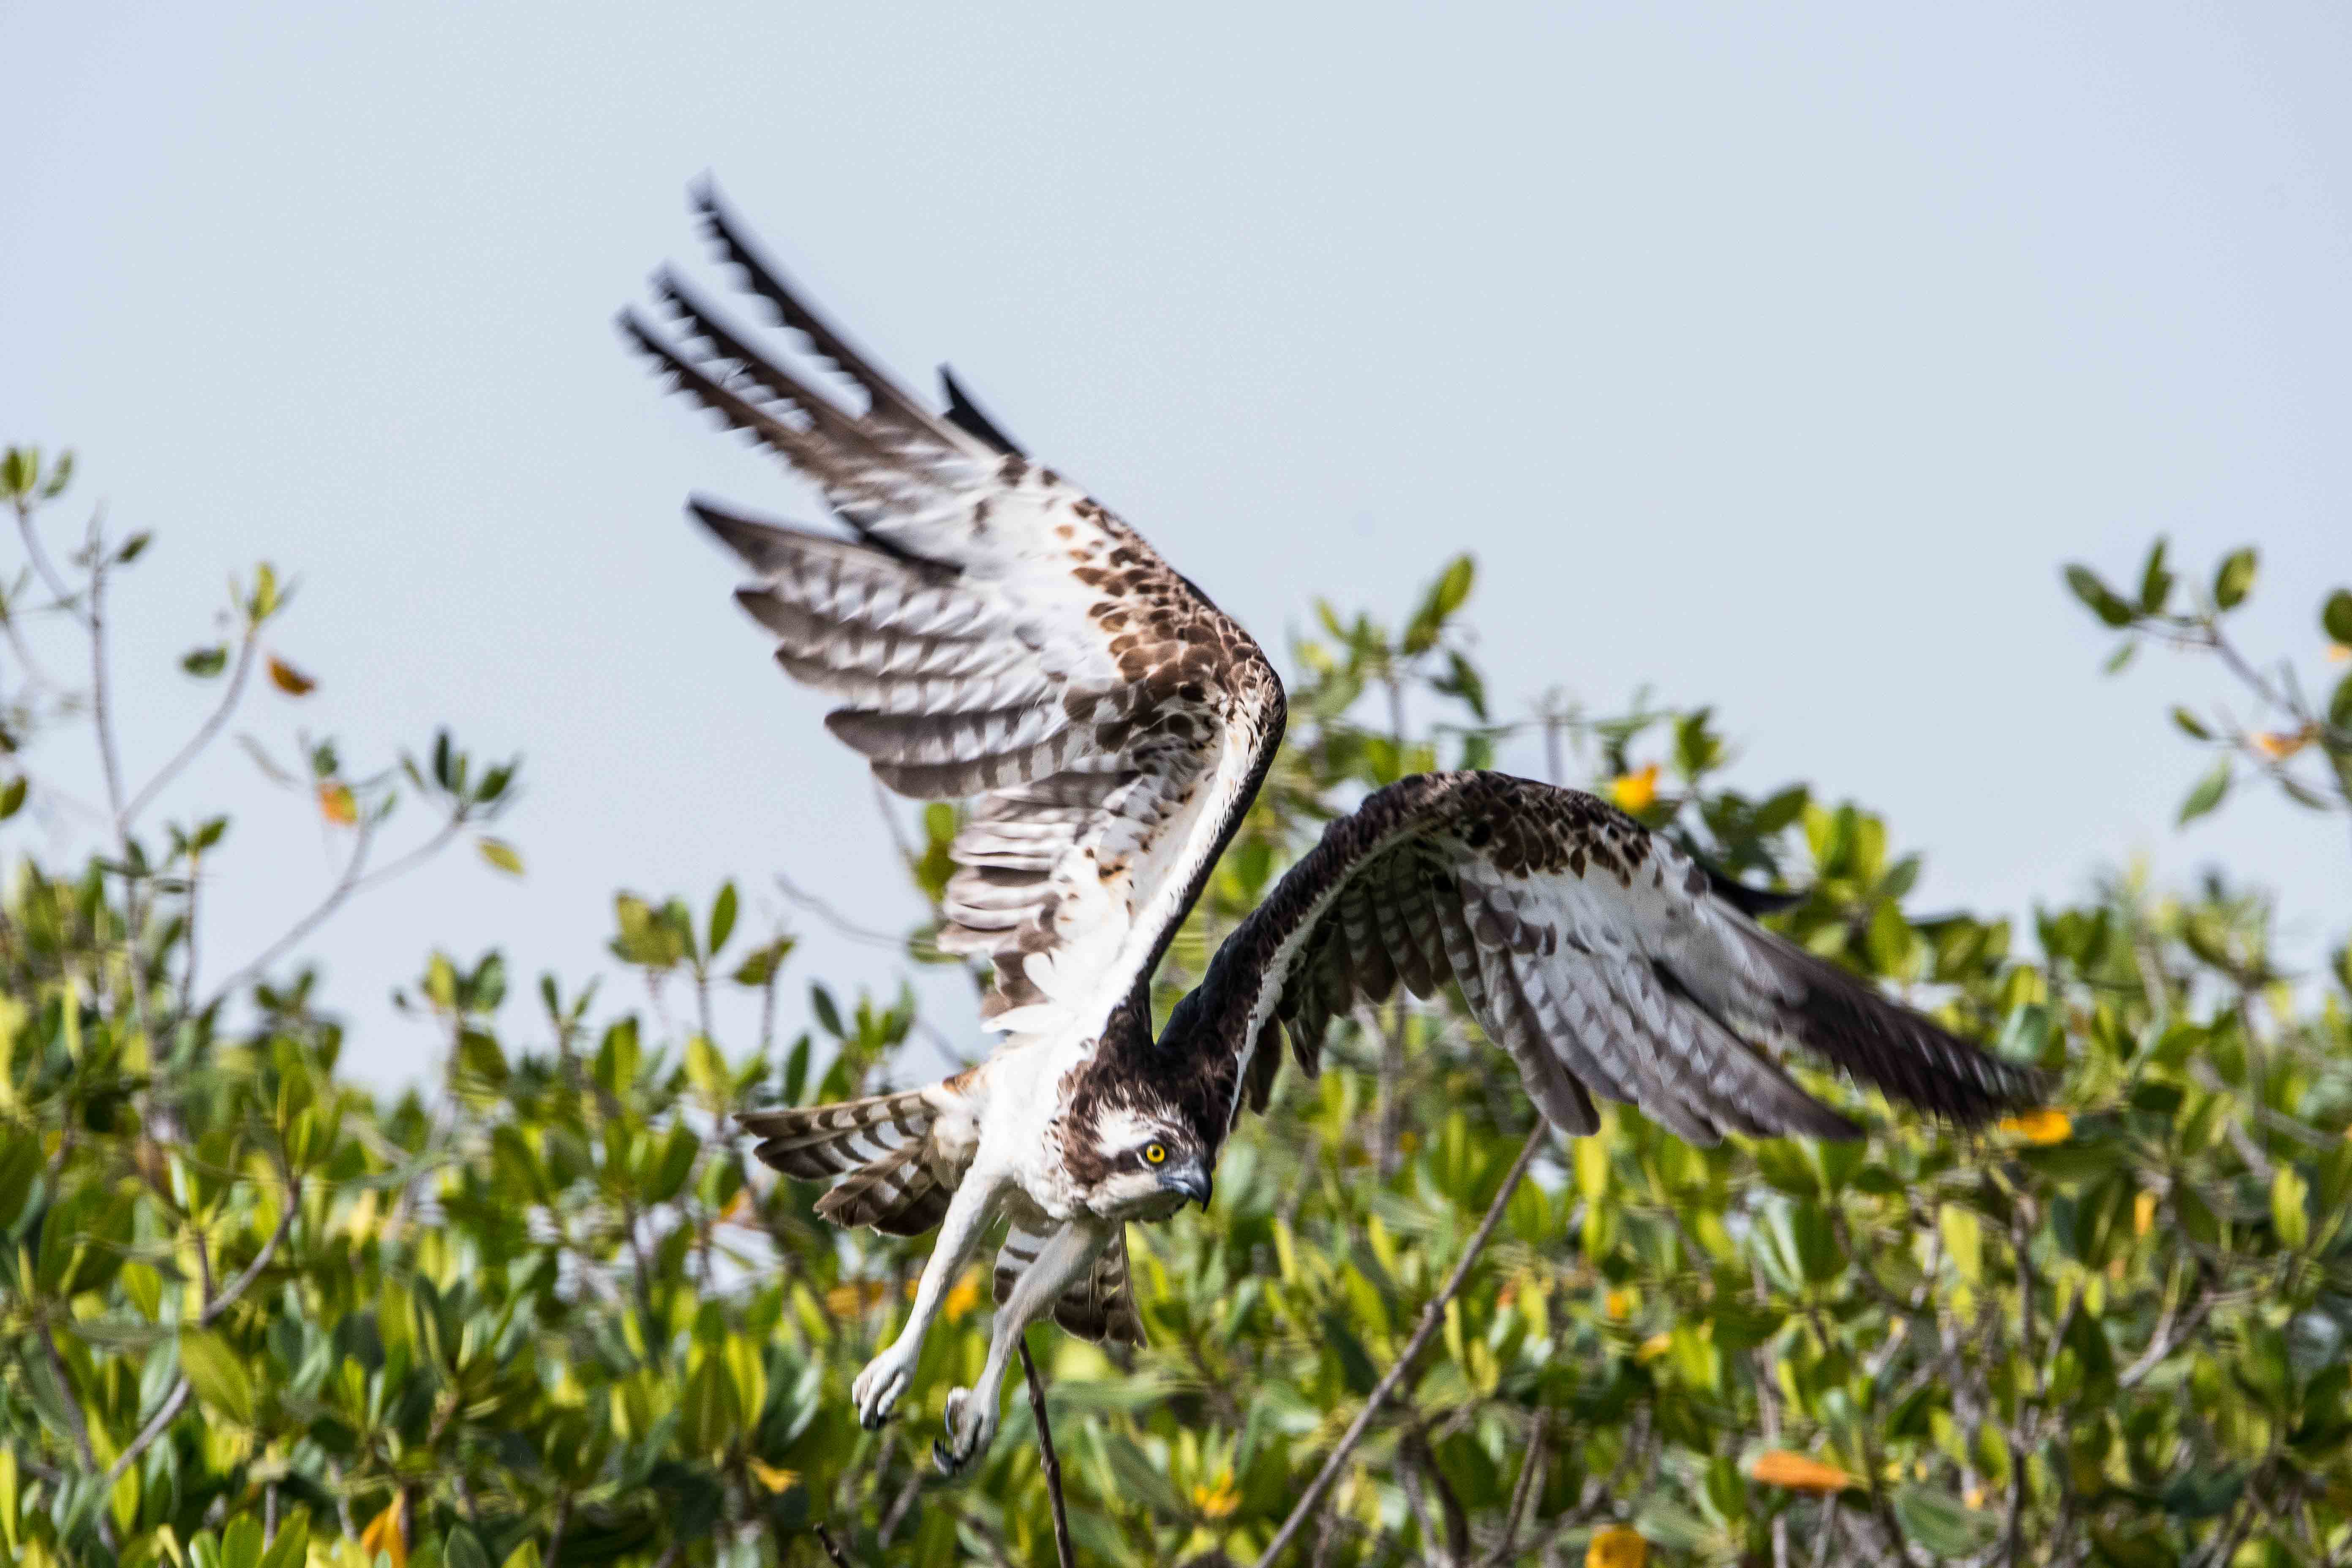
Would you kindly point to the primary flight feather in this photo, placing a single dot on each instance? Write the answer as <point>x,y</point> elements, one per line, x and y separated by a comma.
<point>995,634</point>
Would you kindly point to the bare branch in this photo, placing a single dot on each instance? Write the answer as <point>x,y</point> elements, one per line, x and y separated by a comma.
<point>1431,1316</point>
<point>1051,1460</point>
<point>205,733</point>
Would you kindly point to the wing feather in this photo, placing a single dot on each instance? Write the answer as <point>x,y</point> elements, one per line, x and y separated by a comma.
<point>991,633</point>
<point>1604,958</point>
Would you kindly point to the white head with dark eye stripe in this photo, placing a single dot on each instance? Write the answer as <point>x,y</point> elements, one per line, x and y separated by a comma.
<point>1144,1164</point>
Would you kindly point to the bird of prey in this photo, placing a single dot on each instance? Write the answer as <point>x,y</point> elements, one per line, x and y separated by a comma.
<point>995,634</point>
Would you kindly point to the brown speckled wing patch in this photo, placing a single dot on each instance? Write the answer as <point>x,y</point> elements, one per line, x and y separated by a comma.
<point>993,634</point>
<point>1602,958</point>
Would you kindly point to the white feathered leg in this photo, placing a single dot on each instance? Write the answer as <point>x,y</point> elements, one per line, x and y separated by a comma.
<point>885,1377</point>
<point>971,1412</point>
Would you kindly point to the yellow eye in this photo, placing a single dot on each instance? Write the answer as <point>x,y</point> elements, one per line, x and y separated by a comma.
<point>1154,1154</point>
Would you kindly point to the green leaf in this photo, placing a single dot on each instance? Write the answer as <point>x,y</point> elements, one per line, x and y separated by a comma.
<point>292,1547</point>
<point>1938,1521</point>
<point>2102,600</point>
<point>2336,618</point>
<point>2155,582</point>
<point>502,855</point>
<point>2189,725</point>
<point>464,1550</point>
<point>1446,595</point>
<point>241,1542</point>
<point>2207,794</point>
<point>1963,1233</point>
<point>2235,579</point>
<point>723,919</point>
<point>760,965</point>
<point>827,1014</point>
<point>217,1375</point>
<point>2289,1216</point>
<point>2339,706</point>
<point>204,663</point>
<point>12,796</point>
<point>133,547</point>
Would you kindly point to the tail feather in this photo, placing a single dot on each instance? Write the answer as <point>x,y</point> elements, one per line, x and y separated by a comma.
<point>900,1197</point>
<point>824,1140</point>
<point>882,1145</point>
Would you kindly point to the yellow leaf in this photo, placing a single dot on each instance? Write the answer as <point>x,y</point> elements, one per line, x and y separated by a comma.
<point>502,855</point>
<point>2278,745</point>
<point>2047,1125</point>
<point>2338,653</point>
<point>388,1533</point>
<point>294,683</point>
<point>1619,1304</point>
<point>1799,1472</point>
<point>1635,791</point>
<point>1218,1499</point>
<point>1654,1347</point>
<point>337,804</point>
<point>2142,1213</point>
<point>1974,1496</point>
<point>774,1479</point>
<point>962,1296</point>
<point>1617,1547</point>
<point>848,1300</point>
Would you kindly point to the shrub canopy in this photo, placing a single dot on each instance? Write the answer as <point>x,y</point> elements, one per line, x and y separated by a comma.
<point>543,1311</point>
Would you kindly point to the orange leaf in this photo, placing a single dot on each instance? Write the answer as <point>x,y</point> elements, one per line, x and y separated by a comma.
<point>2278,745</point>
<point>1618,1304</point>
<point>1635,791</point>
<point>2044,1126</point>
<point>337,804</point>
<point>1617,1547</point>
<point>288,679</point>
<point>2338,653</point>
<point>1799,1472</point>
<point>388,1533</point>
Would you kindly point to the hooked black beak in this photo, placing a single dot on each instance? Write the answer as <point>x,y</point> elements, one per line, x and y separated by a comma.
<point>1191,1181</point>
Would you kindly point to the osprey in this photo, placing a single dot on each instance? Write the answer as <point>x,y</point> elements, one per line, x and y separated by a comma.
<point>996,635</point>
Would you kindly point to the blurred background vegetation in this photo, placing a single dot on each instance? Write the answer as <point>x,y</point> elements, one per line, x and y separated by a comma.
<point>541,1310</point>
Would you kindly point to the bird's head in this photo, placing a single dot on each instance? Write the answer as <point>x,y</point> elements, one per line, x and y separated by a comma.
<point>1146,1164</point>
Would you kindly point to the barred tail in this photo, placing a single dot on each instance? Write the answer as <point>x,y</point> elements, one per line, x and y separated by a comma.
<point>878,1144</point>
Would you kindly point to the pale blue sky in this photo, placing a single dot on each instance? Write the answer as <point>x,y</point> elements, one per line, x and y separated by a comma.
<point>1775,356</point>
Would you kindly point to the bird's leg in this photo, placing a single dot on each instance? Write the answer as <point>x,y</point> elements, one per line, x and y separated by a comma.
<point>885,1377</point>
<point>971,1412</point>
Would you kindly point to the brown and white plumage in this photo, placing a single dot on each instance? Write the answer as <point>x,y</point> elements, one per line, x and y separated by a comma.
<point>993,634</point>
<point>1604,958</point>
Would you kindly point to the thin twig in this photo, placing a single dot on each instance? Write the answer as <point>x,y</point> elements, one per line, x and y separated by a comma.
<point>1431,1316</point>
<point>170,1408</point>
<point>101,715</point>
<point>1051,1460</point>
<point>356,879</point>
<point>205,733</point>
<point>832,1547</point>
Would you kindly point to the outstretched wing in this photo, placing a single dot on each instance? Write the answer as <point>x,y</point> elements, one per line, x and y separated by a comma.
<point>991,632</point>
<point>1602,957</point>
